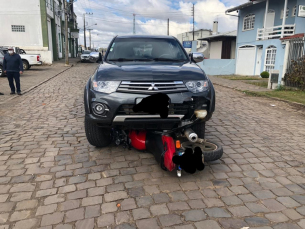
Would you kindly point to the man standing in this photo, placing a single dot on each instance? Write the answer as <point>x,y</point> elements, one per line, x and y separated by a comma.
<point>13,67</point>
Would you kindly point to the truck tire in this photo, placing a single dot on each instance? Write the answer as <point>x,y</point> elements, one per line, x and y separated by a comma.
<point>30,66</point>
<point>199,129</point>
<point>25,65</point>
<point>99,137</point>
<point>1,71</point>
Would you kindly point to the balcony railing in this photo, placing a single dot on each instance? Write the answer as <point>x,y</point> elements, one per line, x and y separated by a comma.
<point>275,32</point>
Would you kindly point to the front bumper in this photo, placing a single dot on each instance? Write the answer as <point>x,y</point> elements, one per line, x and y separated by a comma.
<point>84,57</point>
<point>119,109</point>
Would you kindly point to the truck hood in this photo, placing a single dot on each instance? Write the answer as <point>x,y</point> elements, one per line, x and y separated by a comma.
<point>150,71</point>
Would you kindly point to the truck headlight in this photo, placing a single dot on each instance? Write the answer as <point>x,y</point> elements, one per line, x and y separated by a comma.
<point>197,86</point>
<point>105,86</point>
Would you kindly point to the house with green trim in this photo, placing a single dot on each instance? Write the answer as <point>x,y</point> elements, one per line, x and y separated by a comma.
<point>38,27</point>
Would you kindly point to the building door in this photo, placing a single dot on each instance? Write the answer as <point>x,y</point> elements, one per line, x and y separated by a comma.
<point>270,58</point>
<point>226,49</point>
<point>270,18</point>
<point>258,61</point>
<point>245,60</point>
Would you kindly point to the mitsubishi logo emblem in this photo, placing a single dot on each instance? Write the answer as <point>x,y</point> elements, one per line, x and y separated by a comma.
<point>153,87</point>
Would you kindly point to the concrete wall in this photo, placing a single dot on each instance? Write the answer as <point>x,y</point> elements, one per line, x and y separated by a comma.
<point>218,67</point>
<point>215,50</point>
<point>27,15</point>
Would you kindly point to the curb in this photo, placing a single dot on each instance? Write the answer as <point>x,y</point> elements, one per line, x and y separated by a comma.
<point>37,85</point>
<point>295,104</point>
<point>254,93</point>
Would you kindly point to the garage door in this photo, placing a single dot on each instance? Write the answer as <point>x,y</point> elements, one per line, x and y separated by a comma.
<point>245,60</point>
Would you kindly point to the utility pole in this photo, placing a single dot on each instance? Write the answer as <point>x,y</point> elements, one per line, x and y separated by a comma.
<point>193,22</point>
<point>85,31</point>
<point>90,37</point>
<point>168,27</point>
<point>134,24</point>
<point>66,34</point>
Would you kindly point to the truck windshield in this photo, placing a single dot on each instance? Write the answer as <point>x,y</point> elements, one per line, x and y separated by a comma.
<point>86,52</point>
<point>146,49</point>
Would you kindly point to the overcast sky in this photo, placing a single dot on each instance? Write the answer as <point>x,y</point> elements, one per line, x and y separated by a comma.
<point>115,17</point>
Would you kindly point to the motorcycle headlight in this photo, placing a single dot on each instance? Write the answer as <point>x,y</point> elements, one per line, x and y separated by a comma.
<point>105,86</point>
<point>197,86</point>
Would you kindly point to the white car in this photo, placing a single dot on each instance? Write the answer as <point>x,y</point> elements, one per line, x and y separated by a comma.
<point>85,55</point>
<point>28,60</point>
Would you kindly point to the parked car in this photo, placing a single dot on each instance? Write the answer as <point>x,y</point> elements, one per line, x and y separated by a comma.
<point>94,57</point>
<point>1,64</point>
<point>28,60</point>
<point>85,55</point>
<point>136,67</point>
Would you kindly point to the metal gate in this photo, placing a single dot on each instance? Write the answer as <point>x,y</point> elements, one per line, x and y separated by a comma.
<point>296,63</point>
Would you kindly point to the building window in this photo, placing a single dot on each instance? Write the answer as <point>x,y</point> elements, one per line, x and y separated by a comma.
<point>18,28</point>
<point>249,21</point>
<point>294,11</point>
<point>270,58</point>
<point>287,13</point>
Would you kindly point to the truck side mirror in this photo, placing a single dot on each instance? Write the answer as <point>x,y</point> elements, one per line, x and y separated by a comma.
<point>197,57</point>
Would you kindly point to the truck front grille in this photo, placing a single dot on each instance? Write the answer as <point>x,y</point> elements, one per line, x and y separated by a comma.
<point>152,87</point>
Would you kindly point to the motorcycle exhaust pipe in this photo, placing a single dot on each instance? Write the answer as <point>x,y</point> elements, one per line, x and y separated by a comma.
<point>191,135</point>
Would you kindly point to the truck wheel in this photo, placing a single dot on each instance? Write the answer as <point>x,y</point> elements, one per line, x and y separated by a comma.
<point>199,129</point>
<point>99,137</point>
<point>25,65</point>
<point>1,71</point>
<point>211,151</point>
<point>30,66</point>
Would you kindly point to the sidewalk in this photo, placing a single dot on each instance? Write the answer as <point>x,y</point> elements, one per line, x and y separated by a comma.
<point>34,77</point>
<point>236,84</point>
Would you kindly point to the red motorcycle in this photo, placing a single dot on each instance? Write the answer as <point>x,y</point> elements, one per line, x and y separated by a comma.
<point>178,149</point>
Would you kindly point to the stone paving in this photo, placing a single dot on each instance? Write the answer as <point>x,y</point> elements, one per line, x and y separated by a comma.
<point>51,178</point>
<point>34,76</point>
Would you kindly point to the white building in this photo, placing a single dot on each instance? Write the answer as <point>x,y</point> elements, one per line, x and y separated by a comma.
<point>188,36</point>
<point>37,27</point>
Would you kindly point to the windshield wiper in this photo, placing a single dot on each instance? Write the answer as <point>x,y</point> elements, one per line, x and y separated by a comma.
<point>167,59</point>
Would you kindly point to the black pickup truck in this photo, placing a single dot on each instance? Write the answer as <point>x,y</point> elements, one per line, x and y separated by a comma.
<point>135,67</point>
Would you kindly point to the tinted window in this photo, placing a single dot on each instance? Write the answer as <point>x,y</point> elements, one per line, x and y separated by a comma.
<point>86,52</point>
<point>146,48</point>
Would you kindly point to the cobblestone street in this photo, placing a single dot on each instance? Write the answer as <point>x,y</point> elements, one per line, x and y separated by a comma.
<point>52,178</point>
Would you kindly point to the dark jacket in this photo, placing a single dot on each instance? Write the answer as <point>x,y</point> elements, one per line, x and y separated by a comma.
<point>12,63</point>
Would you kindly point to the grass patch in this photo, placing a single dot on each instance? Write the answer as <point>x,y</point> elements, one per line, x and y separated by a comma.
<point>259,83</point>
<point>285,94</point>
<point>241,77</point>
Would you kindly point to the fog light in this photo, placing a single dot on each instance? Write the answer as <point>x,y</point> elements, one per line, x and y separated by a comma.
<point>201,114</point>
<point>100,108</point>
